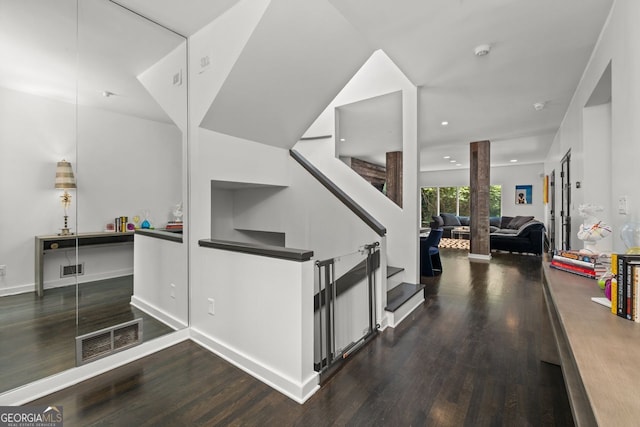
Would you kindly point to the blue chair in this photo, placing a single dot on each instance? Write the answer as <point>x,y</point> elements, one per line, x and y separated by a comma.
<point>430,264</point>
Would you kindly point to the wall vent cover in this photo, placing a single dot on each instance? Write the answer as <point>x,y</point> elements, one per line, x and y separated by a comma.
<point>102,343</point>
<point>71,270</point>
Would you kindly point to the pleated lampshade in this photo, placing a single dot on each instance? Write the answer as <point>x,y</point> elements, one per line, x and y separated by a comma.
<point>64,175</point>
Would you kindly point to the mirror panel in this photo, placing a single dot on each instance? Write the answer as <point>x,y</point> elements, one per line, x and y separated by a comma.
<point>126,151</point>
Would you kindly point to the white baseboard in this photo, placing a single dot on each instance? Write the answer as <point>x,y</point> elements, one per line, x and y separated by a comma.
<point>479,257</point>
<point>297,391</point>
<point>60,283</point>
<point>53,383</point>
<point>158,313</point>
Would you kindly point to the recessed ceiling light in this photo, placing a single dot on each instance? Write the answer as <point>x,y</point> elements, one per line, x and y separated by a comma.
<point>452,161</point>
<point>447,157</point>
<point>458,164</point>
<point>444,123</point>
<point>539,106</point>
<point>342,140</point>
<point>513,160</point>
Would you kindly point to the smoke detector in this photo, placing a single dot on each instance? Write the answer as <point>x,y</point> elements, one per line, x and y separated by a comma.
<point>482,50</point>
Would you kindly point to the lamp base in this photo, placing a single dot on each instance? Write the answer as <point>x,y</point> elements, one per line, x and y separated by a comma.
<point>65,232</point>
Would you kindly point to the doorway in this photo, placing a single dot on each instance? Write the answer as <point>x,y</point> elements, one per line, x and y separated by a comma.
<point>552,211</point>
<point>565,213</point>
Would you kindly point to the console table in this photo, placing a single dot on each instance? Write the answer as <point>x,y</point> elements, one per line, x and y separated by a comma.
<point>55,242</point>
<point>597,350</point>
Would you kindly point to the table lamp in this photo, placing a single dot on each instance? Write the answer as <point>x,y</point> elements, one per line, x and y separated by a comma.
<point>65,180</point>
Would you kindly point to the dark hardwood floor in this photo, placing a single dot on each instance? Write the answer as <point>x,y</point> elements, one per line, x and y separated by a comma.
<point>37,335</point>
<point>469,356</point>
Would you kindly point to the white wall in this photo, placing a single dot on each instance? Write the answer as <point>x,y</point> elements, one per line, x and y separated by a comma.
<point>378,76</point>
<point>160,285</point>
<point>506,176</point>
<point>619,44</point>
<point>123,166</point>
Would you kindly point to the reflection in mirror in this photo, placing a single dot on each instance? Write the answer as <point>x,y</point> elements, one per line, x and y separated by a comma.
<point>118,115</point>
<point>369,140</point>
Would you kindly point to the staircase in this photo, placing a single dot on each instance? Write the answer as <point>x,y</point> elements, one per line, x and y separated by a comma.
<point>402,298</point>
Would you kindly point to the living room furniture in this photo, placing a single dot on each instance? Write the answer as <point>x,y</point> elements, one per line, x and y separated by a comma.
<point>523,234</point>
<point>54,242</point>
<point>430,263</point>
<point>596,349</point>
<point>460,233</point>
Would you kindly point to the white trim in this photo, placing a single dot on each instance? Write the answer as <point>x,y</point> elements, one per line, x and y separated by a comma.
<point>66,281</point>
<point>157,313</point>
<point>53,383</point>
<point>298,391</point>
<point>402,312</point>
<point>15,290</point>
<point>479,257</point>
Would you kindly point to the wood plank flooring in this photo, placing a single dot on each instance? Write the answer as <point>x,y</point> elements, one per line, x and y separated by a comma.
<point>38,334</point>
<point>469,356</point>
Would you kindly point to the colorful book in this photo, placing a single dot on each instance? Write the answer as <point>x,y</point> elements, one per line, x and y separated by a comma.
<point>576,255</point>
<point>573,261</point>
<point>614,284</point>
<point>572,268</point>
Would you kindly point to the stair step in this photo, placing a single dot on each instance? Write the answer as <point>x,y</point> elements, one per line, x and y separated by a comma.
<point>392,271</point>
<point>401,294</point>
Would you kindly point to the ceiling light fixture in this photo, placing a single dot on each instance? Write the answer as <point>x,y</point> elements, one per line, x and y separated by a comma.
<point>452,161</point>
<point>447,157</point>
<point>482,50</point>
<point>458,164</point>
<point>444,123</point>
<point>342,140</point>
<point>539,106</point>
<point>107,93</point>
<point>513,160</point>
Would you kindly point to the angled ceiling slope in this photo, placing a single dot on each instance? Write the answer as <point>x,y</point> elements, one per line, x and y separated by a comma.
<point>299,57</point>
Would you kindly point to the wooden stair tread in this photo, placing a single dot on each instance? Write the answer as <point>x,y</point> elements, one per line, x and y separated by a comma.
<point>392,271</point>
<point>401,294</point>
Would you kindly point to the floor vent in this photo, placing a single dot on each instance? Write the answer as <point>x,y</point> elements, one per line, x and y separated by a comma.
<point>102,343</point>
<point>71,270</point>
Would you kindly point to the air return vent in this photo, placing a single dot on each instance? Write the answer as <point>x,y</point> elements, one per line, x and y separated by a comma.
<point>102,343</point>
<point>71,270</point>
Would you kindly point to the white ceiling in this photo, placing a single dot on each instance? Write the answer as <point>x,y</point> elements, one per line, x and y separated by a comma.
<point>539,50</point>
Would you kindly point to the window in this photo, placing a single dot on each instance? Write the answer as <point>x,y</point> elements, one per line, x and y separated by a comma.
<point>455,200</point>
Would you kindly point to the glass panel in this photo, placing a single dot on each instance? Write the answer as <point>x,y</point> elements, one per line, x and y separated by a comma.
<point>495,200</point>
<point>448,202</point>
<point>347,310</point>
<point>37,130</point>
<point>464,201</point>
<point>429,204</point>
<point>131,137</point>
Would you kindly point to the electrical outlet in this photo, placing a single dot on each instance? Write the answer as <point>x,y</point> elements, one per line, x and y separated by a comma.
<point>212,306</point>
<point>173,290</point>
<point>177,78</point>
<point>3,270</point>
<point>205,63</point>
<point>623,205</point>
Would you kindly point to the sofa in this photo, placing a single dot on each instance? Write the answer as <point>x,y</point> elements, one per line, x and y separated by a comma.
<point>523,234</point>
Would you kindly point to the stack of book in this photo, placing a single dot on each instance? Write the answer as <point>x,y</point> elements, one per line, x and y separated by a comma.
<point>174,226</point>
<point>625,269</point>
<point>576,263</point>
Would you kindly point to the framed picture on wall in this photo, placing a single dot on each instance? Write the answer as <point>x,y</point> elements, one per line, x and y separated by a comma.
<point>523,194</point>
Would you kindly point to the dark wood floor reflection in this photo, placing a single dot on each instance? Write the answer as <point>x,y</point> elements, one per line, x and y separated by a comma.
<point>468,357</point>
<point>37,335</point>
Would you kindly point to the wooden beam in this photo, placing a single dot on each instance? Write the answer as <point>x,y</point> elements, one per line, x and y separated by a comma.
<point>394,177</point>
<point>480,155</point>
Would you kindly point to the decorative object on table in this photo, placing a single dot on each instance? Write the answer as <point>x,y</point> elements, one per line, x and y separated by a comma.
<point>65,180</point>
<point>146,222</point>
<point>136,221</point>
<point>630,235</point>
<point>592,229</point>
<point>121,223</point>
<point>110,227</point>
<point>524,194</point>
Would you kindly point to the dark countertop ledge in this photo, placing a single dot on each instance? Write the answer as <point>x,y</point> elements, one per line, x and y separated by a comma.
<point>255,249</point>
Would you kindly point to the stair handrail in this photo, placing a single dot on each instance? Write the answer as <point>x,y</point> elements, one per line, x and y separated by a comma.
<point>365,216</point>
